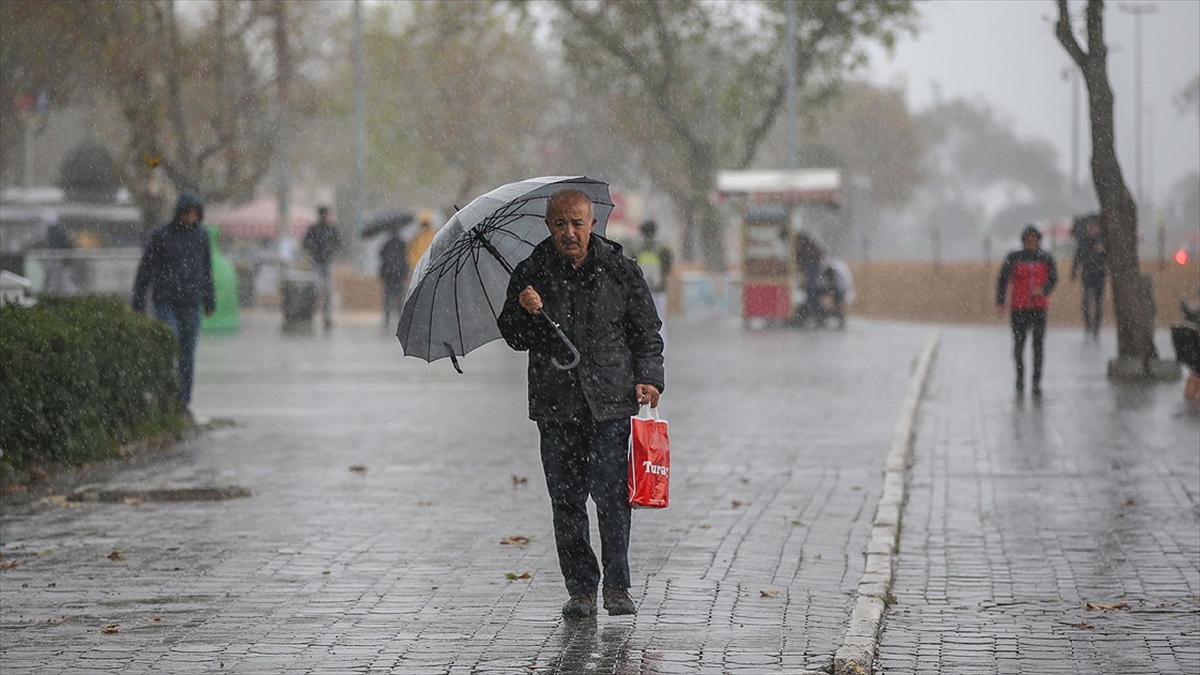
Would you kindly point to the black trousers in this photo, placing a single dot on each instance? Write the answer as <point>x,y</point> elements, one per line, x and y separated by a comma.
<point>1024,321</point>
<point>581,459</point>
<point>1093,302</point>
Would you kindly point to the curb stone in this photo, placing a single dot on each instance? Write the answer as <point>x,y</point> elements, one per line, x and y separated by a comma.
<point>856,655</point>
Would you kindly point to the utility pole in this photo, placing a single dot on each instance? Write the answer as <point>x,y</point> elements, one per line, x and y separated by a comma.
<point>1072,75</point>
<point>358,186</point>
<point>1138,10</point>
<point>790,50</point>
<point>283,140</point>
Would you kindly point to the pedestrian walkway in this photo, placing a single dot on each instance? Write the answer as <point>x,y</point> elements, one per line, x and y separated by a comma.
<point>384,490</point>
<point>1060,537</point>
<point>398,520</point>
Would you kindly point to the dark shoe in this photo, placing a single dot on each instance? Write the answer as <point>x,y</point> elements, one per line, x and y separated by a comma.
<point>1037,390</point>
<point>618,602</point>
<point>580,606</point>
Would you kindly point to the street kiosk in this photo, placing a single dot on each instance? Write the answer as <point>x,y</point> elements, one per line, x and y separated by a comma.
<point>768,201</point>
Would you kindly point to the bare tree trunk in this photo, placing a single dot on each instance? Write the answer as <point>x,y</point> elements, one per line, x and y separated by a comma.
<point>1119,218</point>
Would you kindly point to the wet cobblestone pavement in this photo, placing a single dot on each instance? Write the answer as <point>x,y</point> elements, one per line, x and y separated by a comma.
<point>382,489</point>
<point>1054,538</point>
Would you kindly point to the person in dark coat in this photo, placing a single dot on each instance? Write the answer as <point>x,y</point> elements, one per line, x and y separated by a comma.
<point>1088,265</point>
<point>322,242</point>
<point>393,272</point>
<point>176,269</point>
<point>1027,278</point>
<point>605,307</point>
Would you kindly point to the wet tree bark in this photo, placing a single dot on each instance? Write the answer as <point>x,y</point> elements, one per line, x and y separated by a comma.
<point>1118,211</point>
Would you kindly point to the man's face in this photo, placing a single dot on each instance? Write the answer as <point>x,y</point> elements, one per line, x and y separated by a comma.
<point>1031,242</point>
<point>570,222</point>
<point>190,216</point>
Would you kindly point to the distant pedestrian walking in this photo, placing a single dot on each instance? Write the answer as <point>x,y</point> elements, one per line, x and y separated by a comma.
<point>583,414</point>
<point>655,259</point>
<point>393,274</point>
<point>420,239</point>
<point>60,269</point>
<point>1027,278</point>
<point>176,269</point>
<point>1088,265</point>
<point>322,242</point>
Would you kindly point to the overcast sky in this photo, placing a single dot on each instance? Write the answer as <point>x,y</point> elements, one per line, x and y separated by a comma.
<point>1005,52</point>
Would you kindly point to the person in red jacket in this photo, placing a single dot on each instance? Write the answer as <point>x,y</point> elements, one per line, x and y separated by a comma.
<point>1027,278</point>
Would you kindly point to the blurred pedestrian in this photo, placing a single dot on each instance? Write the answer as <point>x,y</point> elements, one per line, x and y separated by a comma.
<point>809,257</point>
<point>59,267</point>
<point>1027,278</point>
<point>322,242</point>
<point>176,269</point>
<point>420,239</point>
<point>1088,265</point>
<point>583,414</point>
<point>655,259</point>
<point>393,273</point>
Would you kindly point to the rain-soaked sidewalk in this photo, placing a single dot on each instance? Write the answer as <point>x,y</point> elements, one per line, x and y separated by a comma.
<point>1060,537</point>
<point>390,499</point>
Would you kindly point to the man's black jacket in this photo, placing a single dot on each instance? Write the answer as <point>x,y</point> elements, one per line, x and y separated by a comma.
<point>176,265</point>
<point>606,309</point>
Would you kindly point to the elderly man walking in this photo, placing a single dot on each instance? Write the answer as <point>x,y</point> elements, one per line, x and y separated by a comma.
<point>605,307</point>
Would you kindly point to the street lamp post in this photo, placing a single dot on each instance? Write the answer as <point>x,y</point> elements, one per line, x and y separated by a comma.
<point>1138,10</point>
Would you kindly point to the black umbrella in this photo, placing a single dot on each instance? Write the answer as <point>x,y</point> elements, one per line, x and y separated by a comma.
<point>391,221</point>
<point>459,284</point>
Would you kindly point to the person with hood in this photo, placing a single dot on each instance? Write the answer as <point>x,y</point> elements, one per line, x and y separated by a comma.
<point>176,269</point>
<point>583,414</point>
<point>1027,278</point>
<point>420,239</point>
<point>322,242</point>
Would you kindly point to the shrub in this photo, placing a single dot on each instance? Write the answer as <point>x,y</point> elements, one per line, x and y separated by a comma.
<point>79,377</point>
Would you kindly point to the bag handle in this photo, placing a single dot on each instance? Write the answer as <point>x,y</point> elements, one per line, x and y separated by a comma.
<point>647,413</point>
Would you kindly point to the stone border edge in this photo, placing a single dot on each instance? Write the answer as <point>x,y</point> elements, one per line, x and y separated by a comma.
<point>856,655</point>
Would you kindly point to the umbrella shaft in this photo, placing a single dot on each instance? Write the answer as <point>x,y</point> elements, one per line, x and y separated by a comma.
<point>487,246</point>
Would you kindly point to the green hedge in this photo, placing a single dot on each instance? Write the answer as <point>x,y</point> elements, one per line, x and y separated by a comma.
<point>79,377</point>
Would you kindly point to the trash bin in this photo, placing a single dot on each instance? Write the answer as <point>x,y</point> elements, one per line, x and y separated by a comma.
<point>298,297</point>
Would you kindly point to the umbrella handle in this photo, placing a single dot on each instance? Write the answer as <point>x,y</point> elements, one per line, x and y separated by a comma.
<point>562,336</point>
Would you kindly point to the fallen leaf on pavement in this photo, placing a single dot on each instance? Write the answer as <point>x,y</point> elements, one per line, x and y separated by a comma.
<point>132,501</point>
<point>1106,605</point>
<point>111,629</point>
<point>14,487</point>
<point>735,503</point>
<point>358,468</point>
<point>1083,626</point>
<point>519,480</point>
<point>57,621</point>
<point>515,540</point>
<point>513,575</point>
<point>9,564</point>
<point>769,594</point>
<point>115,555</point>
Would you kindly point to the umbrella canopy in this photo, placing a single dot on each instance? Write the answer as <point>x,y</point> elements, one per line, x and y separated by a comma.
<point>459,284</point>
<point>391,221</point>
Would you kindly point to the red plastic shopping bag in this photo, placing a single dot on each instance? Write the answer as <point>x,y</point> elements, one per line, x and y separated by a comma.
<point>649,460</point>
